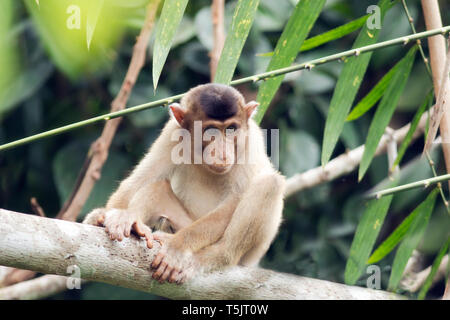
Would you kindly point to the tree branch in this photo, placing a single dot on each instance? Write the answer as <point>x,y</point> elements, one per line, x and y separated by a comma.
<point>98,152</point>
<point>52,245</point>
<point>217,12</point>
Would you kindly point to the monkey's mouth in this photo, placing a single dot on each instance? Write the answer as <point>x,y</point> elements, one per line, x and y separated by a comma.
<point>220,168</point>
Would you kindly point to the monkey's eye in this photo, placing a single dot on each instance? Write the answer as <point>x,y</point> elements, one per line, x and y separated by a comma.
<point>232,127</point>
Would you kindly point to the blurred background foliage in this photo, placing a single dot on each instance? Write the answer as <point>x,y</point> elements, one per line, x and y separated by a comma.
<point>49,78</point>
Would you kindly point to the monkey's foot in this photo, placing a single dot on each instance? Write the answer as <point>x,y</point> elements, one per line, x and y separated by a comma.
<point>170,264</point>
<point>120,223</point>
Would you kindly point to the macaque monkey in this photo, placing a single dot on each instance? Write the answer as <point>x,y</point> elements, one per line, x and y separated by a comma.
<point>215,193</point>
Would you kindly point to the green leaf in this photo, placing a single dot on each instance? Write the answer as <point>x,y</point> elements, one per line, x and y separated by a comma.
<point>171,15</point>
<point>237,35</point>
<point>396,236</point>
<point>385,110</point>
<point>437,262</point>
<point>347,86</point>
<point>92,17</point>
<point>425,105</point>
<point>365,236</point>
<point>333,34</point>
<point>288,45</point>
<point>374,95</point>
<point>328,36</point>
<point>412,239</point>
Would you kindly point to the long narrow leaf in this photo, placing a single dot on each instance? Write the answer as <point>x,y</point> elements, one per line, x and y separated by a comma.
<point>347,86</point>
<point>168,23</point>
<point>412,239</point>
<point>396,236</point>
<point>365,236</point>
<point>437,262</point>
<point>288,45</point>
<point>240,27</point>
<point>328,36</point>
<point>425,105</point>
<point>374,95</point>
<point>385,110</point>
<point>333,34</point>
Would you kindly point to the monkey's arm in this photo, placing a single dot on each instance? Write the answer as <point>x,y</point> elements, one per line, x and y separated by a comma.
<point>206,230</point>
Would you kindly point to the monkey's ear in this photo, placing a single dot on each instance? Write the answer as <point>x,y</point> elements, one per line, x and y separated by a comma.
<point>250,108</point>
<point>177,112</point>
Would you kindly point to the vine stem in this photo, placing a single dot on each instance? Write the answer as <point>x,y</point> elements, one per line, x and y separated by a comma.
<point>262,76</point>
<point>422,183</point>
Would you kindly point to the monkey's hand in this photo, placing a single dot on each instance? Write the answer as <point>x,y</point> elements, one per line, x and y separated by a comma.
<point>120,223</point>
<point>173,263</point>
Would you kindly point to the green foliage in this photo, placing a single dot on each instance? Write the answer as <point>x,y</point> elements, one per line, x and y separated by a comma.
<point>385,110</point>
<point>240,27</point>
<point>365,236</point>
<point>412,238</point>
<point>288,45</point>
<point>166,29</point>
<point>347,86</point>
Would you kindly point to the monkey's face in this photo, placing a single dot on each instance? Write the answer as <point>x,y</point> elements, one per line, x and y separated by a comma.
<point>216,117</point>
<point>220,144</point>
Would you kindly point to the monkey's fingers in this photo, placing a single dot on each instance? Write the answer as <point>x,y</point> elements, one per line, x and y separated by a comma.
<point>144,231</point>
<point>159,272</point>
<point>166,274</point>
<point>174,276</point>
<point>157,261</point>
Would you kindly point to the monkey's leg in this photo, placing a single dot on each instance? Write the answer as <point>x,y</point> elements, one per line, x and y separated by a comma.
<point>247,237</point>
<point>252,228</point>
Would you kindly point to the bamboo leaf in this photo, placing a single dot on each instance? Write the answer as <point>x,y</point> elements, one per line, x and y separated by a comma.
<point>412,239</point>
<point>365,236</point>
<point>240,27</point>
<point>396,236</point>
<point>328,36</point>
<point>385,110</point>
<point>334,34</point>
<point>437,262</point>
<point>92,17</point>
<point>286,50</point>
<point>347,86</point>
<point>171,15</point>
<point>425,105</point>
<point>374,95</point>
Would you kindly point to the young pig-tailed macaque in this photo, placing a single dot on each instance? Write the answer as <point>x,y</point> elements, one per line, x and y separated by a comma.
<point>208,179</point>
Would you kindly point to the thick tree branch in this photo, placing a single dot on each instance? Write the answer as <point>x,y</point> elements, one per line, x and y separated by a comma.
<point>52,245</point>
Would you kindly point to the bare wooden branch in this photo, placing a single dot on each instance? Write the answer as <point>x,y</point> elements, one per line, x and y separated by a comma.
<point>436,46</point>
<point>98,152</point>
<point>52,245</point>
<point>413,281</point>
<point>217,12</point>
<point>346,162</point>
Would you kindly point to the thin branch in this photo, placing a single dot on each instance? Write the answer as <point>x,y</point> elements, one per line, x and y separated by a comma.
<point>61,244</point>
<point>218,19</point>
<point>98,152</point>
<point>254,78</point>
<point>36,207</point>
<point>413,281</point>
